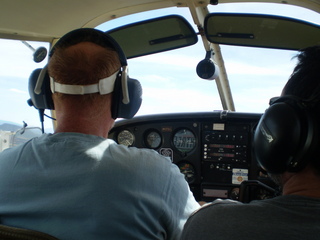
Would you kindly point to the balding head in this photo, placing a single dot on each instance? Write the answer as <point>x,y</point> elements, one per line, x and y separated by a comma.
<point>83,64</point>
<point>84,57</point>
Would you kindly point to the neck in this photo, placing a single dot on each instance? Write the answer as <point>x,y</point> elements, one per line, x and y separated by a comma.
<point>304,183</point>
<point>96,127</point>
<point>86,120</point>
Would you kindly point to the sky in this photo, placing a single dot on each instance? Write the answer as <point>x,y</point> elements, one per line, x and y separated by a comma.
<point>255,75</point>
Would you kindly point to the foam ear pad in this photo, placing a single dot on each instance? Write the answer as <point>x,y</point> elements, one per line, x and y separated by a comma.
<point>121,110</point>
<point>44,99</point>
<point>285,137</point>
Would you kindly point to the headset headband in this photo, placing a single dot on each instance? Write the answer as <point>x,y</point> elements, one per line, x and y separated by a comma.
<point>104,86</point>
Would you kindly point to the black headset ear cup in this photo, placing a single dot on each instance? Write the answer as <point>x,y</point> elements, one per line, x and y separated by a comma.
<point>121,110</point>
<point>43,100</point>
<point>285,137</point>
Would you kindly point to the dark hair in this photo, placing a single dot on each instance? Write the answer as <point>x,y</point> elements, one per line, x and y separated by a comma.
<point>304,83</point>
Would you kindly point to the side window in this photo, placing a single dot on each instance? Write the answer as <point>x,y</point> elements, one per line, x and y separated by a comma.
<point>17,63</point>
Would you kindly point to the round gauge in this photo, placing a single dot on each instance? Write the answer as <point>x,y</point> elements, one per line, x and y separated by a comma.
<point>184,140</point>
<point>153,139</point>
<point>126,138</point>
<point>188,171</point>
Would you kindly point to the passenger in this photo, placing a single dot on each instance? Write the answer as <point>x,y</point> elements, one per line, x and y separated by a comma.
<point>282,147</point>
<point>76,183</point>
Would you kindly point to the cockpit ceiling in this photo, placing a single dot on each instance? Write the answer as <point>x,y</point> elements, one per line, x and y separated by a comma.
<point>46,20</point>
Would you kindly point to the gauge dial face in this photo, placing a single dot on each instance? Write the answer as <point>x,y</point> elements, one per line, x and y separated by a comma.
<point>126,138</point>
<point>184,140</point>
<point>153,139</point>
<point>188,171</point>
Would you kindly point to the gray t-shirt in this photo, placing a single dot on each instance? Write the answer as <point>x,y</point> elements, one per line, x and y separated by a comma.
<point>285,217</point>
<point>76,186</point>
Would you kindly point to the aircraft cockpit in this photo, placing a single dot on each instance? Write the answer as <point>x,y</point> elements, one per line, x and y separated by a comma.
<point>213,149</point>
<point>207,68</point>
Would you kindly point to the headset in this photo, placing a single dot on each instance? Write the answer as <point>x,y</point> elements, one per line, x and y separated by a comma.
<point>286,137</point>
<point>127,92</point>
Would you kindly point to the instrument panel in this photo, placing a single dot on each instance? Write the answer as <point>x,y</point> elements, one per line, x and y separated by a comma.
<point>212,149</point>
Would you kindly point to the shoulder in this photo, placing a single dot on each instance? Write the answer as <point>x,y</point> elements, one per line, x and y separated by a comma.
<point>16,149</point>
<point>217,205</point>
<point>212,217</point>
<point>210,211</point>
<point>208,218</point>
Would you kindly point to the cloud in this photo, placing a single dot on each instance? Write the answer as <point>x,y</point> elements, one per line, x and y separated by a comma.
<point>17,91</point>
<point>161,100</point>
<point>235,68</point>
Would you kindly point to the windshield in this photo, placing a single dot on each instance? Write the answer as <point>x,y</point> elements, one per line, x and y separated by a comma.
<point>169,80</point>
<point>171,84</point>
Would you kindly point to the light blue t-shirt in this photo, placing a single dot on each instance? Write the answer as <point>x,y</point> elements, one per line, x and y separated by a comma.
<point>76,186</point>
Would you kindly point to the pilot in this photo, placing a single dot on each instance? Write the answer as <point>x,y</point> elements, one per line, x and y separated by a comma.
<point>286,145</point>
<point>76,183</point>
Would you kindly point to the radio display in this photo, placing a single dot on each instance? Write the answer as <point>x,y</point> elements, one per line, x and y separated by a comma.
<point>229,155</point>
<point>228,146</point>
